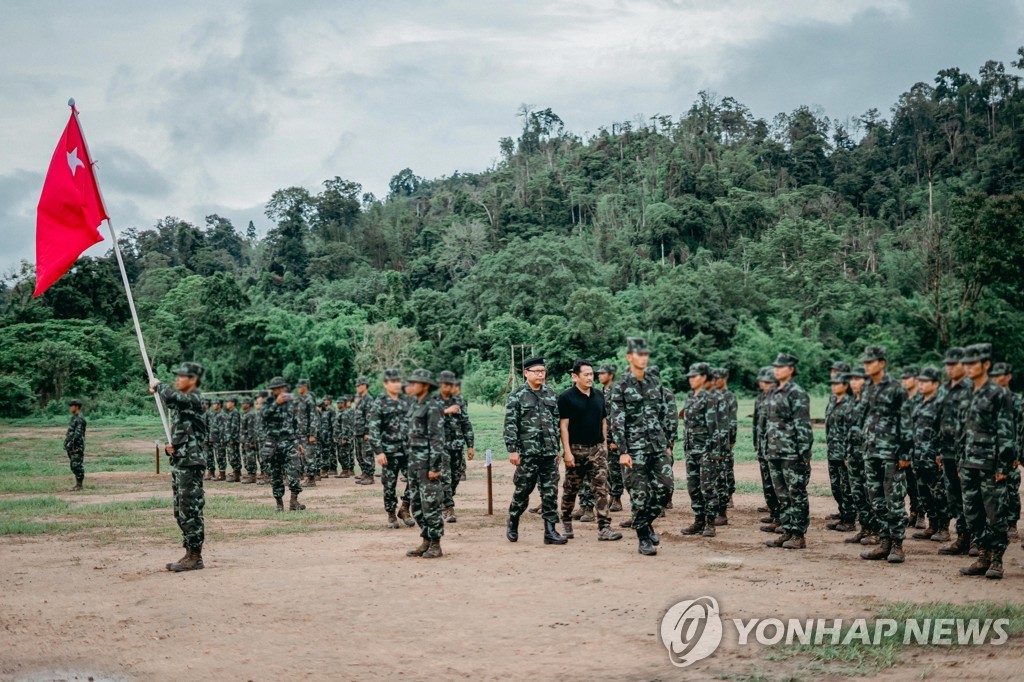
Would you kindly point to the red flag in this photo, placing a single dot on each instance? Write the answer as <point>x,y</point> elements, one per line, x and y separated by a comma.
<point>70,209</point>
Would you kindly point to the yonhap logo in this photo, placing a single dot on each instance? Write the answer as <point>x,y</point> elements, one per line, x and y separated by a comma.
<point>691,631</point>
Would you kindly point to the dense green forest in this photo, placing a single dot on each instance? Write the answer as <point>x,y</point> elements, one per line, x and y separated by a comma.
<point>716,234</point>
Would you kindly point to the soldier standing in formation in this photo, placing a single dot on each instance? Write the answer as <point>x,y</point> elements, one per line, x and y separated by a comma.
<point>868,533</point>
<point>426,452</point>
<point>671,428</point>
<point>638,428</point>
<point>306,424</point>
<point>458,434</point>
<point>837,425</point>
<point>702,450</point>
<point>232,437</point>
<point>326,446</point>
<point>531,437</point>
<point>766,382</point>
<point>908,377</point>
<point>788,441</point>
<point>346,438</point>
<point>606,376</point>
<point>727,469</point>
<point>281,448</point>
<point>188,432</point>
<point>389,439</point>
<point>74,444</point>
<point>361,431</point>
<point>263,478</point>
<point>216,464</point>
<point>1002,374</point>
<point>248,441</point>
<point>954,394</point>
<point>926,440</point>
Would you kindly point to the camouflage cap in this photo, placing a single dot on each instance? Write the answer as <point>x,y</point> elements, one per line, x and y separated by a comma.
<point>910,372</point>
<point>930,373</point>
<point>1000,369</point>
<point>953,356</point>
<point>978,352</point>
<point>75,402</point>
<point>857,373</point>
<point>218,402</point>
<point>447,377</point>
<point>391,373</point>
<point>720,372</point>
<point>362,381</point>
<point>608,369</point>
<point>189,369</point>
<point>840,366</point>
<point>327,399</point>
<point>277,382</point>
<point>457,382</point>
<point>699,369</point>
<point>638,345</point>
<point>785,360</point>
<point>422,376</point>
<point>246,400</point>
<point>263,394</point>
<point>654,371</point>
<point>872,353</point>
<point>530,362</point>
<point>230,399</point>
<point>767,374</point>
<point>302,382</point>
<point>840,378</point>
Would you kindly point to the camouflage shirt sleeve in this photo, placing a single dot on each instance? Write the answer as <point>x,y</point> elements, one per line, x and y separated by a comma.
<point>435,434</point>
<point>617,418</point>
<point>74,441</point>
<point>511,427</point>
<point>802,415</point>
<point>373,428</point>
<point>466,424</point>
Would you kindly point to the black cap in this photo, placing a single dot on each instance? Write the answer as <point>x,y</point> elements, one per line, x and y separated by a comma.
<point>75,403</point>
<point>531,362</point>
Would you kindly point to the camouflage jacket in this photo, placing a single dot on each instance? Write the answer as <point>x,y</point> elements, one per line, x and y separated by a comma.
<point>788,423</point>
<point>531,422</point>
<point>926,429</point>
<point>954,399</point>
<point>671,416</point>
<point>909,405</point>
<point>346,423</point>
<point>837,427</point>
<point>389,425</point>
<point>361,415</point>
<point>426,436</point>
<point>74,441</point>
<point>325,435</point>
<point>188,428</point>
<point>232,426</point>
<point>279,421</point>
<point>215,421</point>
<point>731,408</point>
<point>307,419</point>
<point>759,424</point>
<point>1018,411</point>
<point>854,435</point>
<point>637,416</point>
<point>607,392</point>
<point>701,429</point>
<point>882,422</point>
<point>248,429</point>
<point>261,433</point>
<point>989,430</point>
<point>458,431</point>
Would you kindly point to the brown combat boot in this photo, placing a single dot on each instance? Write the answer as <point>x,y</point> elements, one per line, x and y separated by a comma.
<point>247,479</point>
<point>695,528</point>
<point>979,567</point>
<point>424,546</point>
<point>896,555</point>
<point>927,533</point>
<point>308,482</point>
<point>208,476</point>
<point>709,529</point>
<point>433,550</point>
<point>869,539</point>
<point>193,561</point>
<point>392,520</point>
<point>280,503</point>
<point>236,476</point>
<point>76,487</point>
<point>616,505</point>
<point>293,503</point>
<point>221,476</point>
<point>779,541</point>
<point>346,473</point>
<point>879,552</point>
<point>770,526</point>
<point>404,514</point>
<point>721,520</point>
<point>448,516</point>
<point>973,551</point>
<point>961,545</point>
<point>587,516</point>
<point>995,565</point>
<point>795,542</point>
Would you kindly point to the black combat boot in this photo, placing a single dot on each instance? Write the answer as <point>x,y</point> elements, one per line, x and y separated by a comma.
<point>995,565</point>
<point>879,552</point>
<point>552,536</point>
<point>646,547</point>
<point>293,503</point>
<point>962,545</point>
<point>979,567</point>
<point>433,550</point>
<point>655,538</point>
<point>694,528</point>
<point>512,529</point>
<point>424,546</point>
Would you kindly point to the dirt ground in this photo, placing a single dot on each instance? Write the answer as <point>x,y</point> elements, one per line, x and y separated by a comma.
<point>339,605</point>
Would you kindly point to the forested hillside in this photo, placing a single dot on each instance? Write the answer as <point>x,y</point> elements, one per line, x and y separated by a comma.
<point>717,234</point>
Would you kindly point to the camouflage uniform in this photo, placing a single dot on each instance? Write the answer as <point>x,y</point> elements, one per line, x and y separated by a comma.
<point>232,435</point>
<point>727,467</point>
<point>458,435</point>
<point>219,461</point>
<point>188,432</point>
<point>307,423</point>
<point>531,429</point>
<point>389,436</point>
<point>615,487</point>
<point>926,436</point>
<point>208,445</point>
<point>249,438</point>
<point>360,429</point>
<point>281,448</point>
<point>913,489</point>
<point>886,446</point>
<point>326,439</point>
<point>771,500</point>
<point>702,450</point>
<point>837,425</point>
<point>855,466</point>
<point>637,426</point>
<point>346,439</point>
<point>671,428</point>
<point>426,449</point>
<point>74,446</point>
<point>788,440</point>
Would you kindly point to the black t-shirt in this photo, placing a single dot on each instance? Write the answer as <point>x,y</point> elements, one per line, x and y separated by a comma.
<point>585,415</point>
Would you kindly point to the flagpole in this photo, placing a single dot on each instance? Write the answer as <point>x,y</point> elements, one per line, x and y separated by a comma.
<point>124,277</point>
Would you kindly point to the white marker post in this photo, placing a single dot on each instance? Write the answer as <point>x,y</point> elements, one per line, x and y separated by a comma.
<point>490,493</point>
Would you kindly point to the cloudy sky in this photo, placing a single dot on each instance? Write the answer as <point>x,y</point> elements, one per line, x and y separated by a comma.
<point>193,108</point>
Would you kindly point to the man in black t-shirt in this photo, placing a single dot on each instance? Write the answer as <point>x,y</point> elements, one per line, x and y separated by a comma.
<point>584,431</point>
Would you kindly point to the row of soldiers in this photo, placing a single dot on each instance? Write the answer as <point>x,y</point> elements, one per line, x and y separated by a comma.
<point>952,447</point>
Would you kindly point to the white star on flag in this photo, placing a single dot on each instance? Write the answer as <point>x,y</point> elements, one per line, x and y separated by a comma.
<point>74,162</point>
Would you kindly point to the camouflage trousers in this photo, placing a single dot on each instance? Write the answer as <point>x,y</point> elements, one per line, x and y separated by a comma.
<point>398,465</point>
<point>249,458</point>
<point>425,497</point>
<point>615,486</point>
<point>859,495</point>
<point>1012,506</point>
<point>456,459</point>
<point>954,495</point>
<point>346,456</point>
<point>839,477</point>
<point>726,480</point>
<point>649,481</point>
<point>189,500</point>
<point>586,495</point>
<point>983,502</point>
<point>790,478</point>
<point>771,500</point>
<point>590,466</point>
<point>308,457</point>
<point>536,471</point>
<point>234,456</point>
<point>77,460</point>
<point>887,492</point>
<point>703,483</point>
<point>283,459</point>
<point>364,456</point>
<point>913,490</point>
<point>931,488</point>
<point>218,457</point>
